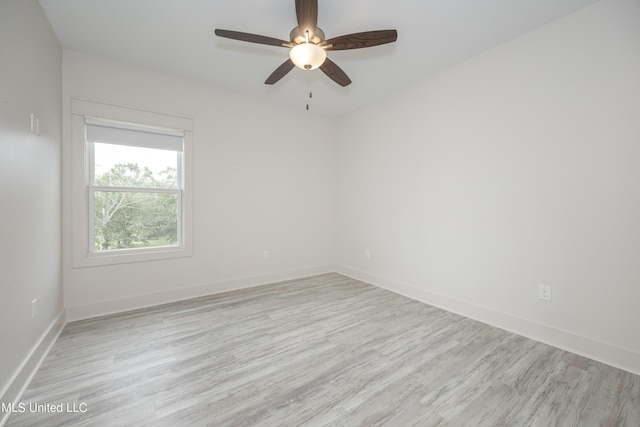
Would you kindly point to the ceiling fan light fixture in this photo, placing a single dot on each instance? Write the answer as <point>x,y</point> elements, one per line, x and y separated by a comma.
<point>307,56</point>
<point>308,45</point>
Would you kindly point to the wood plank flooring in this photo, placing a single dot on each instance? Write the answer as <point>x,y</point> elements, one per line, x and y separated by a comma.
<point>326,350</point>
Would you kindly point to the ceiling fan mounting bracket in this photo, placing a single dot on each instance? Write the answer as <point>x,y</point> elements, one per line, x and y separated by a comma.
<point>297,37</point>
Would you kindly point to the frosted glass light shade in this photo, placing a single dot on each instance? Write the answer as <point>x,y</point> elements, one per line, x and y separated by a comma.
<point>307,56</point>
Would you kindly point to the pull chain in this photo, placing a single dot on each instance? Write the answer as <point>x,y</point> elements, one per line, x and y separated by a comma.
<point>309,87</point>
<point>308,67</point>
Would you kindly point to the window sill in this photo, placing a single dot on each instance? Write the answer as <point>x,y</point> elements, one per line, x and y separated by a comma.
<point>130,256</point>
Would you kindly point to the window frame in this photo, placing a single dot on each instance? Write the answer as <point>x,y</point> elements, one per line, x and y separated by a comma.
<point>84,253</point>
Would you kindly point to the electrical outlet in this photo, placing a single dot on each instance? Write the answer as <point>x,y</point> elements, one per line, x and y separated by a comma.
<point>367,253</point>
<point>34,308</point>
<point>266,255</point>
<point>544,292</point>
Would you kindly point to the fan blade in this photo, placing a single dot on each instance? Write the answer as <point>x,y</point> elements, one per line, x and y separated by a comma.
<point>335,73</point>
<point>252,38</point>
<point>361,40</point>
<point>307,14</point>
<point>280,72</point>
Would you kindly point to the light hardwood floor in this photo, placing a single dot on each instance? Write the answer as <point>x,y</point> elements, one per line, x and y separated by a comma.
<point>326,350</point>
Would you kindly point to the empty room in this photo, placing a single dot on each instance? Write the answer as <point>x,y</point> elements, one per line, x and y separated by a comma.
<point>313,212</point>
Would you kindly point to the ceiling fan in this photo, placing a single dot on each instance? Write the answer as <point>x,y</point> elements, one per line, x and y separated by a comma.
<point>308,45</point>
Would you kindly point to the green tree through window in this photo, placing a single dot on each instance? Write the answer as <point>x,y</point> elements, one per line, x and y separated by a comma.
<point>135,214</point>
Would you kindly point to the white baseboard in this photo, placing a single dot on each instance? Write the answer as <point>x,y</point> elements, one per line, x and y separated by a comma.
<point>102,308</point>
<point>606,353</point>
<point>20,380</point>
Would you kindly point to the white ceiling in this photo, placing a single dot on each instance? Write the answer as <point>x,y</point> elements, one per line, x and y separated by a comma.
<point>176,37</point>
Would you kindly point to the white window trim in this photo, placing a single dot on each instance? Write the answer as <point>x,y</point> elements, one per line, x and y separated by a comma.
<point>83,256</point>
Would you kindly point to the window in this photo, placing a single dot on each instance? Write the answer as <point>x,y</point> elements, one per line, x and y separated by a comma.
<point>134,201</point>
<point>135,186</point>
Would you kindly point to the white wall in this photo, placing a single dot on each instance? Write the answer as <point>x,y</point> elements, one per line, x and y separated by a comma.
<point>516,168</point>
<point>30,175</point>
<point>263,178</point>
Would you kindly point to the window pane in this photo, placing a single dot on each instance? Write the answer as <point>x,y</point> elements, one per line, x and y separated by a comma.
<point>127,166</point>
<point>125,220</point>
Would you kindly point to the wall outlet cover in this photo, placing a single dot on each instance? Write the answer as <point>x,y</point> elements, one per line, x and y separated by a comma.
<point>544,292</point>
